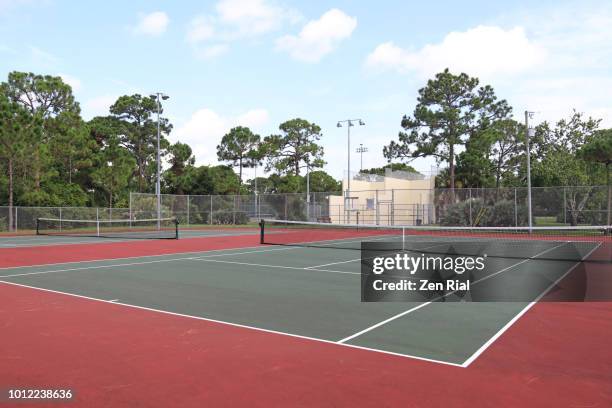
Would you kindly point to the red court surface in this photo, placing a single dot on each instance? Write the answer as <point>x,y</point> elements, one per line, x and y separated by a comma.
<point>111,355</point>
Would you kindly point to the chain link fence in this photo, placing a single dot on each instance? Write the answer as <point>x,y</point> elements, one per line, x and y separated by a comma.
<point>565,205</point>
<point>23,219</point>
<point>585,205</point>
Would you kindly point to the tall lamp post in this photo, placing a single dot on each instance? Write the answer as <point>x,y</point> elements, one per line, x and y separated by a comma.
<point>307,191</point>
<point>361,150</point>
<point>349,124</point>
<point>529,132</point>
<point>157,96</point>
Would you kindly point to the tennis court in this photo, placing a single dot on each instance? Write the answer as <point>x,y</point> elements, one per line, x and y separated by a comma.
<point>308,289</point>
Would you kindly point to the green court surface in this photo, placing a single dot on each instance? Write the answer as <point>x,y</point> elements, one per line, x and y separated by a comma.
<point>294,290</point>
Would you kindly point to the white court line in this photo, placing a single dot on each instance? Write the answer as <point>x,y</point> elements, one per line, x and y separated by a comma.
<point>331,342</point>
<point>359,259</point>
<point>178,253</point>
<point>404,313</point>
<point>50,241</point>
<point>501,331</point>
<point>274,266</point>
<point>333,263</point>
<point>145,262</point>
<point>132,263</point>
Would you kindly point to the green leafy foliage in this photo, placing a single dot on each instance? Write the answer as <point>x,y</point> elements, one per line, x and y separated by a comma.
<point>450,109</point>
<point>294,148</point>
<point>393,166</point>
<point>239,147</point>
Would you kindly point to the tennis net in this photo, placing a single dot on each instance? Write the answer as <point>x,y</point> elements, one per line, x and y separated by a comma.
<point>164,228</point>
<point>581,243</point>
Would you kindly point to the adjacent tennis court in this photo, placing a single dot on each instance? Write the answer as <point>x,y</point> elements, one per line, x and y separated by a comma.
<point>311,289</point>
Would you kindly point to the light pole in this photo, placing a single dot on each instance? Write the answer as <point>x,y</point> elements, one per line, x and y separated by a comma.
<point>349,123</point>
<point>361,150</point>
<point>156,96</point>
<point>528,133</point>
<point>307,191</point>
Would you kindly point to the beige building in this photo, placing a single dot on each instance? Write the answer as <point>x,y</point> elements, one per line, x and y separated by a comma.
<point>397,198</point>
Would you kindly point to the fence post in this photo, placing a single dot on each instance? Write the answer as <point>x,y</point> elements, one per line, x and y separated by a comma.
<point>187,209</point>
<point>285,206</point>
<point>392,207</point>
<point>564,207</point>
<point>234,210</point>
<point>211,209</point>
<point>470,206</point>
<point>60,218</point>
<point>16,219</point>
<point>515,209</point>
<point>377,209</point>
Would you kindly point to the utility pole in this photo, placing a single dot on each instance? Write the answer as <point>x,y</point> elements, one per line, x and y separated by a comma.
<point>528,133</point>
<point>157,96</point>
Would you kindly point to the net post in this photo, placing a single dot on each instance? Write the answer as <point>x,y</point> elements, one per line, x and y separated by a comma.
<point>176,228</point>
<point>261,231</point>
<point>37,226</point>
<point>98,227</point>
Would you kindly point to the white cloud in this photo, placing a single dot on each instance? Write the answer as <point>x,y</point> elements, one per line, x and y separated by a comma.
<point>233,20</point>
<point>253,16</point>
<point>75,83</point>
<point>201,28</point>
<point>42,57</point>
<point>481,51</point>
<point>318,37</point>
<point>253,118</point>
<point>153,24</point>
<point>555,98</point>
<point>98,106</point>
<point>211,51</point>
<point>204,130</point>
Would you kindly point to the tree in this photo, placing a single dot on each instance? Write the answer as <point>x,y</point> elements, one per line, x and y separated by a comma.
<point>450,109</point>
<point>381,171</point>
<point>72,146</point>
<point>295,148</point>
<point>599,150</point>
<point>474,167</point>
<point>139,133</point>
<point>320,181</point>
<point>115,165</point>
<point>239,147</point>
<point>507,149</point>
<point>18,129</point>
<point>179,176</point>
<point>556,161</point>
<point>46,97</point>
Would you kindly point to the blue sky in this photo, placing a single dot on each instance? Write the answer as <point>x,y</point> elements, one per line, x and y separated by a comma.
<point>261,62</point>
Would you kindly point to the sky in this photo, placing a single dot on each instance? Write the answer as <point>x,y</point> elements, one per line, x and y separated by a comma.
<point>258,63</point>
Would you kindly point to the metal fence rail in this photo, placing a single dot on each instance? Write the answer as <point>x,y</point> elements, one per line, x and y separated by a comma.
<point>566,205</point>
<point>24,218</point>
